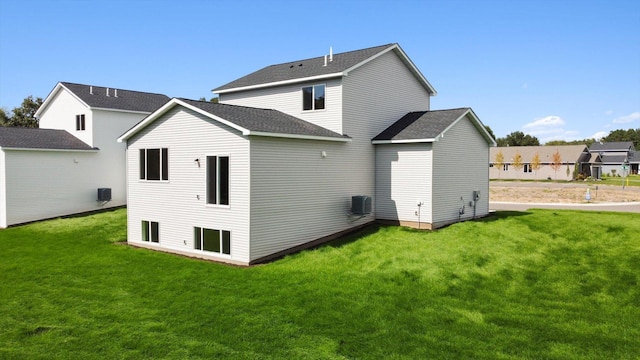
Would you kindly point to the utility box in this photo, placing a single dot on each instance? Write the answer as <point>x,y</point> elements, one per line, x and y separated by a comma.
<point>104,194</point>
<point>360,205</point>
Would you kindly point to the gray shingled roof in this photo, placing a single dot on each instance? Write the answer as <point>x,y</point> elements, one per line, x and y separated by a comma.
<point>304,68</point>
<point>126,99</point>
<point>613,159</point>
<point>421,125</point>
<point>27,138</point>
<point>264,120</point>
<point>611,146</point>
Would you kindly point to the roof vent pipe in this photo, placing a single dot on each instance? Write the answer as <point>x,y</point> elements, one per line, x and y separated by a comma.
<point>325,60</point>
<point>90,90</point>
<point>107,91</point>
<point>330,53</point>
<point>115,92</point>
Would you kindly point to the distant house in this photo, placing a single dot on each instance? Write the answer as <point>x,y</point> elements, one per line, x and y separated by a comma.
<point>617,157</point>
<point>299,153</point>
<point>561,162</point>
<point>57,169</point>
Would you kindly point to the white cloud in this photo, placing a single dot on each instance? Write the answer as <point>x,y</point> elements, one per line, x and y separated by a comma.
<point>545,122</point>
<point>608,112</point>
<point>550,128</point>
<point>599,135</point>
<point>627,118</point>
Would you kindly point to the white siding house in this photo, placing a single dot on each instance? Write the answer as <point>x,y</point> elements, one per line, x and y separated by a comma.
<point>291,145</point>
<point>57,169</point>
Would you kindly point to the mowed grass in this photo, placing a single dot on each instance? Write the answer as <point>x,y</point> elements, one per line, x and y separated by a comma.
<point>535,285</point>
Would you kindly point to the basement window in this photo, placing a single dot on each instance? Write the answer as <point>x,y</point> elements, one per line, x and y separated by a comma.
<point>313,97</point>
<point>217,241</point>
<point>150,231</point>
<point>527,168</point>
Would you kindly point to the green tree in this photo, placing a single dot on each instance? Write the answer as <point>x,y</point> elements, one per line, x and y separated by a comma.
<point>213,99</point>
<point>624,135</point>
<point>4,118</point>
<point>24,116</point>
<point>518,138</point>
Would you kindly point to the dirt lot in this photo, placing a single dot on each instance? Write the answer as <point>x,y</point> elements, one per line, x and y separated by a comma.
<point>543,192</point>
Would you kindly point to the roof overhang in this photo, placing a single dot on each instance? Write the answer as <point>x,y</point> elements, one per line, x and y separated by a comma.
<point>49,150</point>
<point>244,131</point>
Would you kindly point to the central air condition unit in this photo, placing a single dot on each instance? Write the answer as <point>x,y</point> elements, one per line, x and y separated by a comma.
<point>360,205</point>
<point>104,194</point>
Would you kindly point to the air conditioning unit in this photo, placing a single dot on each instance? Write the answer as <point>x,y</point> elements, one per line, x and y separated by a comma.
<point>104,194</point>
<point>360,205</point>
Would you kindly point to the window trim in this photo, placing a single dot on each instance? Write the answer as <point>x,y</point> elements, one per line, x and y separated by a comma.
<point>313,97</point>
<point>206,198</point>
<point>163,165</point>
<point>198,241</point>
<point>147,231</point>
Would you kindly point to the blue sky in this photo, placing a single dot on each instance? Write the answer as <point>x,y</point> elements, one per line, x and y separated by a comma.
<point>555,69</point>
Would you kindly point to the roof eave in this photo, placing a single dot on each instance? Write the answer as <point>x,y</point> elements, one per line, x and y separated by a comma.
<point>279,83</point>
<point>46,149</point>
<point>296,136</point>
<point>405,141</point>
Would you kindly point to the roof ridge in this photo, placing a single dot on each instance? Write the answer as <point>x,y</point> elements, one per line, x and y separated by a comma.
<point>335,54</point>
<point>110,87</point>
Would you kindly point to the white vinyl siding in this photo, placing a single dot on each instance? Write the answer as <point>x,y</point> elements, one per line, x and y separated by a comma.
<point>179,205</point>
<point>288,99</point>
<point>45,184</point>
<point>297,195</point>
<point>460,166</point>
<point>404,178</point>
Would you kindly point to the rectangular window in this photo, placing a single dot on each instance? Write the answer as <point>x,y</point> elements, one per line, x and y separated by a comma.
<point>154,164</point>
<point>80,123</point>
<point>313,97</point>
<point>527,168</point>
<point>150,231</point>
<point>218,180</point>
<point>505,167</point>
<point>217,241</point>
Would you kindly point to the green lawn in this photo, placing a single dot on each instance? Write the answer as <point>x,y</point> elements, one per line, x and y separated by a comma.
<point>534,285</point>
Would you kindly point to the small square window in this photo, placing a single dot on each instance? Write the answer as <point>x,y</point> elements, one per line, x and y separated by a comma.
<point>313,97</point>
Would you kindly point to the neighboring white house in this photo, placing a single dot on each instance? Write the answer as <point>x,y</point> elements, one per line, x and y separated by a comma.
<point>57,169</point>
<point>288,159</point>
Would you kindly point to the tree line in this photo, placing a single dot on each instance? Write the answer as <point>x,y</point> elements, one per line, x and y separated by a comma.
<point>518,138</point>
